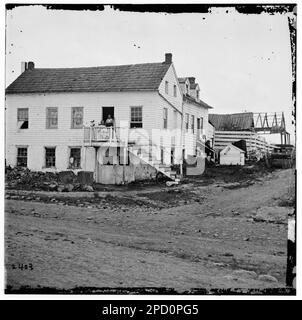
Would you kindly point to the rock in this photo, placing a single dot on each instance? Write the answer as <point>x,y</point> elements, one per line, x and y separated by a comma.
<point>69,187</point>
<point>245,274</point>
<point>61,188</point>
<point>219,264</point>
<point>230,277</point>
<point>267,277</point>
<point>246,239</point>
<point>272,214</point>
<point>53,187</point>
<point>228,254</point>
<point>67,177</point>
<point>86,187</point>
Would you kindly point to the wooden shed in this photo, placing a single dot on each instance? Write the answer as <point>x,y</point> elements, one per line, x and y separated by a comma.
<point>232,155</point>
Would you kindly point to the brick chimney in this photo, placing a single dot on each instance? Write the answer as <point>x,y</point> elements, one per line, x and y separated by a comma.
<point>192,80</point>
<point>30,65</point>
<point>168,58</point>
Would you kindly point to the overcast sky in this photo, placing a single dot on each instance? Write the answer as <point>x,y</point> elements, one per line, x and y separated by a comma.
<point>241,62</point>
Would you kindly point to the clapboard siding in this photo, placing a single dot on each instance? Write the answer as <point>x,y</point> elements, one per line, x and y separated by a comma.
<point>190,137</point>
<point>172,80</point>
<point>253,140</point>
<point>37,136</point>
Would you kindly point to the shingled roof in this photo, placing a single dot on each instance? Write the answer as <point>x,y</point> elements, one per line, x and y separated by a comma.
<point>235,121</point>
<point>134,77</point>
<point>197,102</point>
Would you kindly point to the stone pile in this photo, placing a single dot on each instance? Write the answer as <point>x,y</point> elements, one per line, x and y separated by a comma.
<point>65,181</point>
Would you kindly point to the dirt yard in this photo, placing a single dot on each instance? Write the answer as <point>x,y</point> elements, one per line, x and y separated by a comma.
<point>208,232</point>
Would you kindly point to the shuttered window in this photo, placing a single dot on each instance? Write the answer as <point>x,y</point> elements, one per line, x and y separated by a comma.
<point>165,117</point>
<point>192,123</point>
<point>187,122</point>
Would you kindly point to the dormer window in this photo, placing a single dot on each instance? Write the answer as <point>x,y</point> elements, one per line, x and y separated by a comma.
<point>197,94</point>
<point>187,88</point>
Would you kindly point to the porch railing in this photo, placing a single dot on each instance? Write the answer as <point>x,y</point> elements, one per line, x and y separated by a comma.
<point>101,134</point>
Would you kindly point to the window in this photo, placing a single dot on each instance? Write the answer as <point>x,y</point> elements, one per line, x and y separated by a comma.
<point>75,158</point>
<point>136,117</point>
<point>197,94</point>
<point>201,123</point>
<point>167,87</point>
<point>22,157</point>
<point>76,117</point>
<point>174,91</point>
<point>192,123</point>
<point>22,118</point>
<point>198,123</point>
<point>165,117</point>
<point>187,121</point>
<point>50,157</point>
<point>51,118</point>
<point>187,88</point>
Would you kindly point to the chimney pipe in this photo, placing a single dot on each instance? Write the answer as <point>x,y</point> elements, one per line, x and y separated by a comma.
<point>168,58</point>
<point>30,65</point>
<point>23,66</point>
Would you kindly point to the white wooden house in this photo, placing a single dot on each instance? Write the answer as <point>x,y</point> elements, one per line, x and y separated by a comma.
<point>195,115</point>
<point>231,155</point>
<point>53,117</point>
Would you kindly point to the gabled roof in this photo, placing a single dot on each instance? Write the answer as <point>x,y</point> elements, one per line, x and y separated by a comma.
<point>199,102</point>
<point>235,121</point>
<point>231,146</point>
<point>134,77</point>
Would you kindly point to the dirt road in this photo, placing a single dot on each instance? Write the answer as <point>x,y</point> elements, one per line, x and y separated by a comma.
<point>221,235</point>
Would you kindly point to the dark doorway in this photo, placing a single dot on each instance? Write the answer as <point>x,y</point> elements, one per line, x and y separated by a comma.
<point>106,112</point>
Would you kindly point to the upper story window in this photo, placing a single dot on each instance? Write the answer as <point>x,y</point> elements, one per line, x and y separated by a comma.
<point>198,124</point>
<point>167,87</point>
<point>50,157</point>
<point>201,123</point>
<point>192,123</point>
<point>187,89</point>
<point>187,122</point>
<point>136,117</point>
<point>22,118</point>
<point>174,90</point>
<point>77,117</point>
<point>22,157</point>
<point>165,117</point>
<point>197,94</point>
<point>51,118</point>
